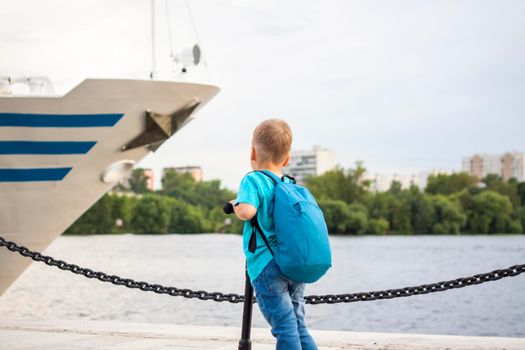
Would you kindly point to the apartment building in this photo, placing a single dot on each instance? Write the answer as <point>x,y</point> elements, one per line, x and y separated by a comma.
<point>314,162</point>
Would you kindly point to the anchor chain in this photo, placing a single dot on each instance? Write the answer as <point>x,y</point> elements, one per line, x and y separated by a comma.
<point>236,298</point>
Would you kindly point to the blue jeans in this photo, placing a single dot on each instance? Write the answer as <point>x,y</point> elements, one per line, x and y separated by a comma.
<point>281,302</point>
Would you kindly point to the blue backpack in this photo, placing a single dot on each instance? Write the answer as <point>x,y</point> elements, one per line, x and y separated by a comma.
<point>303,249</point>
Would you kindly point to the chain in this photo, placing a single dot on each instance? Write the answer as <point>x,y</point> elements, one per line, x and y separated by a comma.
<point>236,298</point>
<point>119,281</point>
<point>417,290</point>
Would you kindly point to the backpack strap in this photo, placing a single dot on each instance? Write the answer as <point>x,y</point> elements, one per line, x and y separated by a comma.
<point>252,245</point>
<point>253,239</point>
<point>275,179</point>
<point>291,178</point>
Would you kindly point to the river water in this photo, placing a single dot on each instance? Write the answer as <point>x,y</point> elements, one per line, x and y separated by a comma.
<point>214,262</point>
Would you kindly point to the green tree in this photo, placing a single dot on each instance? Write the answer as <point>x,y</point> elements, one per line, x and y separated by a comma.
<point>519,218</point>
<point>421,209</point>
<point>339,184</point>
<point>395,188</point>
<point>449,184</point>
<point>138,182</point>
<point>509,189</point>
<point>203,204</point>
<point>337,215</point>
<point>449,218</point>
<point>184,218</point>
<point>207,194</point>
<point>122,209</point>
<point>357,222</point>
<point>450,204</point>
<point>210,194</point>
<point>343,218</point>
<point>220,222</point>
<point>492,212</point>
<point>393,206</point>
<point>151,215</point>
<point>380,204</point>
<point>400,217</point>
<point>377,226</point>
<point>521,193</point>
<point>96,220</point>
<point>177,184</point>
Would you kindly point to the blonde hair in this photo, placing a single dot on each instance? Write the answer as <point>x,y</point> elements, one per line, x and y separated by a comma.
<point>272,139</point>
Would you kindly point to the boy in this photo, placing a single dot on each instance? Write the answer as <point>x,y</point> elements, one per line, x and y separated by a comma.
<point>280,299</point>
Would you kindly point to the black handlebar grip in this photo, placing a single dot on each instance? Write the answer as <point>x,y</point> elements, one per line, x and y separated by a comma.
<point>228,208</point>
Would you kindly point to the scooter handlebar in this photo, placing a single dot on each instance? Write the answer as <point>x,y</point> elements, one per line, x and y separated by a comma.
<point>228,208</point>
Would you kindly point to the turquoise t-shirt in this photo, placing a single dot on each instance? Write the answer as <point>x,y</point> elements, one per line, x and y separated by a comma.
<point>257,189</point>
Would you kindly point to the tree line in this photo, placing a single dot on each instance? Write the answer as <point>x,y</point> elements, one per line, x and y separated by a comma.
<point>182,206</point>
<point>450,204</point>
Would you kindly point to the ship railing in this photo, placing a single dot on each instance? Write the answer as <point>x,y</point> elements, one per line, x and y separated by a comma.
<point>26,85</point>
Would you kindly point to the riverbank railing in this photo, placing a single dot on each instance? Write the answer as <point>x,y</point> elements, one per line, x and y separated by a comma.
<point>244,343</point>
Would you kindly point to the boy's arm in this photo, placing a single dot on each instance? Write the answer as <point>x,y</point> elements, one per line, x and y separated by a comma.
<point>247,202</point>
<point>244,211</point>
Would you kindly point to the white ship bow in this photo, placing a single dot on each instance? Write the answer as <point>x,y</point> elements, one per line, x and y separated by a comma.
<point>59,155</point>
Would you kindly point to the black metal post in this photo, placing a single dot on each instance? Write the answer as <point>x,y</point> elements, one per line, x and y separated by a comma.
<point>245,343</point>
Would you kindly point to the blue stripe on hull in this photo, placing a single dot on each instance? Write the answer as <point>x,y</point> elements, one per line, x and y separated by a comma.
<point>59,120</point>
<point>45,147</point>
<point>33,175</point>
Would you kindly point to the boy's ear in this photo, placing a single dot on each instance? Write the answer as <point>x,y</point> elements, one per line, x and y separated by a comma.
<point>287,160</point>
<point>253,155</point>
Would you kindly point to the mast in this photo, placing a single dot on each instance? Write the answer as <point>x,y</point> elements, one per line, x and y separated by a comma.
<point>153,72</point>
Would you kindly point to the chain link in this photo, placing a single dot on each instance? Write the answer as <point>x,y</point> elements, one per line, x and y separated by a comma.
<point>236,298</point>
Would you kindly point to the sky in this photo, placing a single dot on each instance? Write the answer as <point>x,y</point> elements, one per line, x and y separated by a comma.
<point>404,86</point>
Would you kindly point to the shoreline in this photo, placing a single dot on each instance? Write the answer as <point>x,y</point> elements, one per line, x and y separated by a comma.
<point>18,334</point>
<point>466,234</point>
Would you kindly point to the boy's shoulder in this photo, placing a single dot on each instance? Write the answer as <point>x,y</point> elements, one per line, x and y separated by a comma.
<point>251,178</point>
<point>254,176</point>
<point>264,179</point>
<point>254,189</point>
<point>258,180</point>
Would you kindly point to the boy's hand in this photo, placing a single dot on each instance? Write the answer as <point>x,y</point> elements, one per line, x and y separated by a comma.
<point>244,211</point>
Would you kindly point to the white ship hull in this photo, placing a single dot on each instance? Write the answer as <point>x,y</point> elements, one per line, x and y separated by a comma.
<point>54,150</point>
